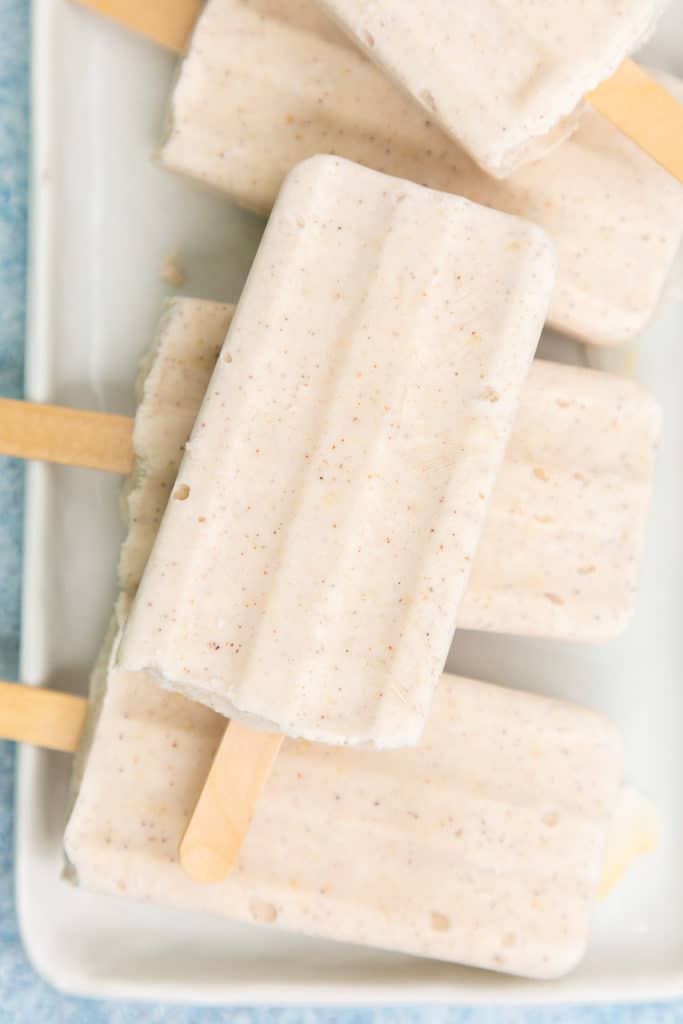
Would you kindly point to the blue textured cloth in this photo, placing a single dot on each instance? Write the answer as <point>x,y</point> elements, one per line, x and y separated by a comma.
<point>24,997</point>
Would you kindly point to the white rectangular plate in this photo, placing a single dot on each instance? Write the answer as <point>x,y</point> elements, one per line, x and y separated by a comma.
<point>104,220</point>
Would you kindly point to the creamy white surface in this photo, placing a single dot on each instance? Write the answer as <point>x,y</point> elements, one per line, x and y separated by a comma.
<point>500,76</point>
<point>311,561</point>
<point>171,386</point>
<point>561,549</point>
<point>268,83</point>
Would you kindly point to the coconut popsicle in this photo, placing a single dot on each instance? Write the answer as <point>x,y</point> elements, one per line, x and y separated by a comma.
<point>483,845</point>
<point>500,78</point>
<point>561,549</point>
<point>310,564</point>
<point>269,83</point>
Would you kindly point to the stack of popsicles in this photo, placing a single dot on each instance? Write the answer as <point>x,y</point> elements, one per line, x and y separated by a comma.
<point>501,779</point>
<point>366,456</point>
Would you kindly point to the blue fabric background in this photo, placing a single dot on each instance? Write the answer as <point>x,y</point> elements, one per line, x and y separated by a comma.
<point>24,997</point>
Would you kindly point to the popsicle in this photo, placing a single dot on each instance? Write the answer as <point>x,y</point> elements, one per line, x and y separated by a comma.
<point>269,83</point>
<point>504,79</point>
<point>310,564</point>
<point>561,549</point>
<point>483,845</point>
<point>58,721</point>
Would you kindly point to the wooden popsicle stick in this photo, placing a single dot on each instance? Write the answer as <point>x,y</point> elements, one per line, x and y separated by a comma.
<point>221,819</point>
<point>93,440</point>
<point>645,112</point>
<point>45,718</point>
<point>166,22</point>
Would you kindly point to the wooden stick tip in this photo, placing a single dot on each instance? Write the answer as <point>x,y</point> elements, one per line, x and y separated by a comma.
<point>203,864</point>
